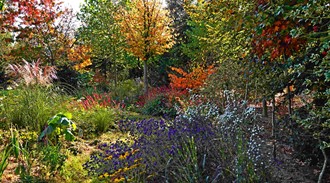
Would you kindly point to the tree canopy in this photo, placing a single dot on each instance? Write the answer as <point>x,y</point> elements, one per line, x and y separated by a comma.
<point>146,27</point>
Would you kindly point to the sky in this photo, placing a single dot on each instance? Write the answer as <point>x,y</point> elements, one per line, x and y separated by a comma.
<point>73,3</point>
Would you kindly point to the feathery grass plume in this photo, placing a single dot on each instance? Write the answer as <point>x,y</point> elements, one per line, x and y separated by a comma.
<point>32,73</point>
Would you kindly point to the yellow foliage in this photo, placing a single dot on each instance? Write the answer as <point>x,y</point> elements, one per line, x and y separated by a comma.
<point>146,27</point>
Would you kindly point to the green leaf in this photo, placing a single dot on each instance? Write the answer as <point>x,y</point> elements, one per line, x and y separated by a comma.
<point>57,123</point>
<point>68,115</point>
<point>61,115</point>
<point>4,160</point>
<point>327,76</point>
<point>74,126</point>
<point>15,144</point>
<point>65,121</point>
<point>68,135</point>
<point>50,128</point>
<point>54,120</point>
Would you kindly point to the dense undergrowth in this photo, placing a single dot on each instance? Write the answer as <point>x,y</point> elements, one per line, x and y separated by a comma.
<point>232,91</point>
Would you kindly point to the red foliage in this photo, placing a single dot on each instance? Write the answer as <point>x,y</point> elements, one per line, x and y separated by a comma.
<point>100,100</point>
<point>45,30</point>
<point>165,91</point>
<point>324,53</point>
<point>31,13</point>
<point>99,78</point>
<point>276,40</point>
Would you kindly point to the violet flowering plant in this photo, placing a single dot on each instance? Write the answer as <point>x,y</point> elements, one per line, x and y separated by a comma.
<point>154,143</point>
<point>199,145</point>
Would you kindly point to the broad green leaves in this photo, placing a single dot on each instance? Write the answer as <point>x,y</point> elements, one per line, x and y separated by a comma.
<point>60,124</point>
<point>2,4</point>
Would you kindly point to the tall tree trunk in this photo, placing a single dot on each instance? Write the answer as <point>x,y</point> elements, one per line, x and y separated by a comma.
<point>324,165</point>
<point>104,64</point>
<point>246,91</point>
<point>290,110</point>
<point>289,99</point>
<point>145,77</point>
<point>264,107</point>
<point>274,127</point>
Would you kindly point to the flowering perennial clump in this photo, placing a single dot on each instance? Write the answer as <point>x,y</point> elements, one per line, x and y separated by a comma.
<point>200,144</point>
<point>100,100</point>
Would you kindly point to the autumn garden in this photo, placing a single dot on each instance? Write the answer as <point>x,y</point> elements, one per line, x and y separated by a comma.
<point>172,91</point>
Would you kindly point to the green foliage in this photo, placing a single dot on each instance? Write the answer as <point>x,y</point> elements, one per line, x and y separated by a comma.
<point>19,152</point>
<point>229,76</point>
<point>127,91</point>
<point>84,79</point>
<point>2,4</point>
<point>159,106</point>
<point>72,170</point>
<point>101,31</point>
<point>96,121</point>
<point>61,124</point>
<point>192,164</point>
<point>5,47</point>
<point>4,160</point>
<point>31,107</point>
<point>53,159</point>
<point>219,30</point>
<point>103,119</point>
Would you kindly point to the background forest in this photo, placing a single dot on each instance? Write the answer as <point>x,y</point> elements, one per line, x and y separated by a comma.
<point>165,91</point>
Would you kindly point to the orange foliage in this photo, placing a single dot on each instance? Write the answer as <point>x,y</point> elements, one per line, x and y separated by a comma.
<point>81,55</point>
<point>192,80</point>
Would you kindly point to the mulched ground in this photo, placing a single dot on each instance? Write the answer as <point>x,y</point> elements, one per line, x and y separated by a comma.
<point>287,168</point>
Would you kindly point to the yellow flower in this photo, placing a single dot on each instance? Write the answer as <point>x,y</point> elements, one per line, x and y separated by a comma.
<point>134,151</point>
<point>108,158</point>
<point>116,172</point>
<point>121,157</point>
<point>117,180</point>
<point>137,160</point>
<point>149,176</point>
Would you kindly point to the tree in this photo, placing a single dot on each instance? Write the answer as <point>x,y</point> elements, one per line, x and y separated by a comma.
<point>311,71</point>
<point>42,29</point>
<point>146,27</point>
<point>180,17</point>
<point>292,42</point>
<point>219,30</point>
<point>100,30</point>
